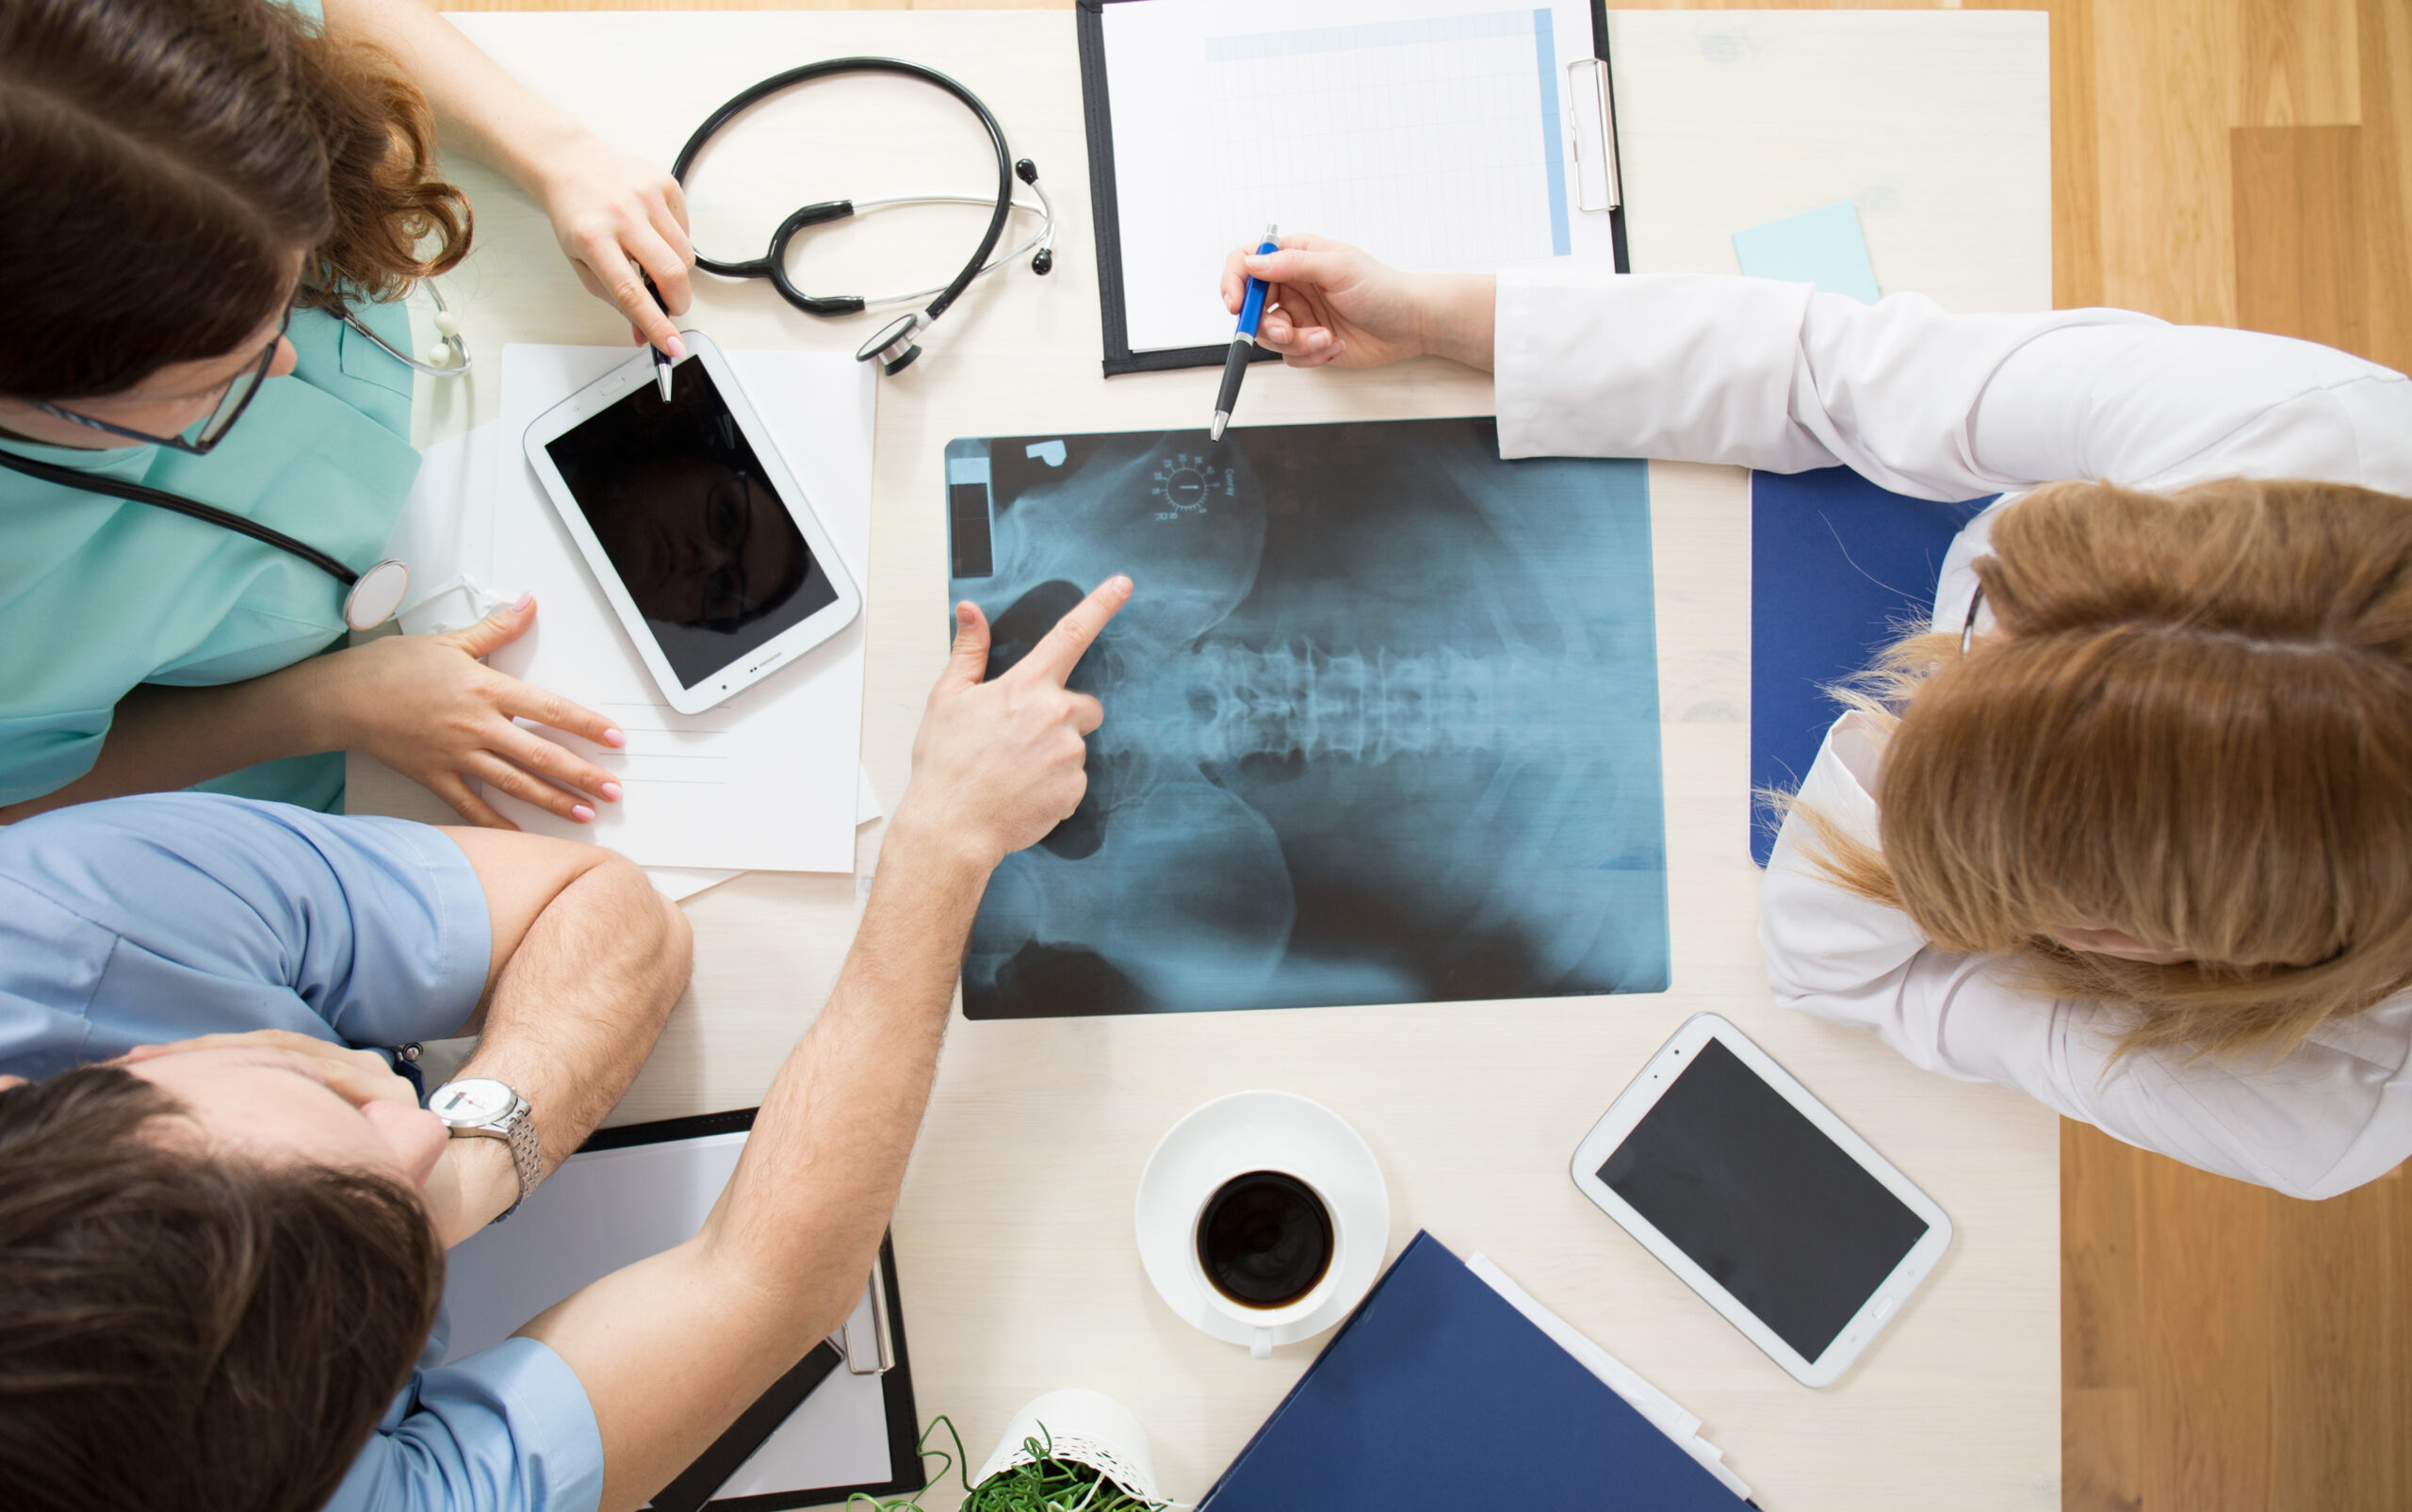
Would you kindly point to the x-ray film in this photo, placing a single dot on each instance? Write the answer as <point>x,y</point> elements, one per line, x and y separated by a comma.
<point>1381,720</point>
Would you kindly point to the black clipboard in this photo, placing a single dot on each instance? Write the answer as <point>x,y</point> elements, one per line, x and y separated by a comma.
<point>1105,209</point>
<point>694,1485</point>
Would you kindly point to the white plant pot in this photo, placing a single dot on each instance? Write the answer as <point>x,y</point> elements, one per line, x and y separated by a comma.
<point>1083,1428</point>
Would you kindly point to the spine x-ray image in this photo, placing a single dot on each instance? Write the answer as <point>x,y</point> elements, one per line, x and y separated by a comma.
<point>1381,720</point>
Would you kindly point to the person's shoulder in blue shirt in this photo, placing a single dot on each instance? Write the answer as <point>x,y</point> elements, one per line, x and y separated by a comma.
<point>147,919</point>
<point>130,929</point>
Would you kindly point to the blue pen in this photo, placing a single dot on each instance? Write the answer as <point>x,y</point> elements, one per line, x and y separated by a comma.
<point>1251,311</point>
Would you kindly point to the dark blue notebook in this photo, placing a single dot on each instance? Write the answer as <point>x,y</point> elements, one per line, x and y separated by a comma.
<point>1839,568</point>
<point>1436,1393</point>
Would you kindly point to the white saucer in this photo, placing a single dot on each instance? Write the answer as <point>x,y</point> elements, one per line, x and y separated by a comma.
<point>1260,1131</point>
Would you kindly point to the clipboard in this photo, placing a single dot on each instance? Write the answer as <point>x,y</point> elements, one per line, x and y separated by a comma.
<point>1598,177</point>
<point>494,1308</point>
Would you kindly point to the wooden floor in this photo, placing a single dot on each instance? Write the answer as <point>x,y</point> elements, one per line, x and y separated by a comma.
<point>2222,162</point>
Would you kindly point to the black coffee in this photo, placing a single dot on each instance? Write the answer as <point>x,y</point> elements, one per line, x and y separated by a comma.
<point>1264,1239</point>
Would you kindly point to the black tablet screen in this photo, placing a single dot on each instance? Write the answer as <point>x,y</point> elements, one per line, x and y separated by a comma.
<point>682,507</point>
<point>1748,1187</point>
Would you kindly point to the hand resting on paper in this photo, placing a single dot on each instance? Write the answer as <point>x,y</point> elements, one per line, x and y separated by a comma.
<point>997,764</point>
<point>429,708</point>
<point>1331,303</point>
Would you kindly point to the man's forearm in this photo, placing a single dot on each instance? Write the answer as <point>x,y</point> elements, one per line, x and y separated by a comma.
<point>571,1018</point>
<point>672,1348</point>
<point>848,1104</point>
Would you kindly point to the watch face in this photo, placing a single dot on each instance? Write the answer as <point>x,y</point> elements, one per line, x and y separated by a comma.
<point>477,1100</point>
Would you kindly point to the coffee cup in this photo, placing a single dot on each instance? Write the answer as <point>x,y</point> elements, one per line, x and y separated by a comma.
<point>1265,1251</point>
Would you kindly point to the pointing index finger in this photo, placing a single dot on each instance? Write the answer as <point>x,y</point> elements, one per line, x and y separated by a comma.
<point>1055,658</point>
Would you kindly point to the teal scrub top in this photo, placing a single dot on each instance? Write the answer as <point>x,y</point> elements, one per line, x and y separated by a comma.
<point>98,595</point>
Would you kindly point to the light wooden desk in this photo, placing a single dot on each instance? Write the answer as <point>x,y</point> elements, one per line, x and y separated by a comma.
<point>1013,1233</point>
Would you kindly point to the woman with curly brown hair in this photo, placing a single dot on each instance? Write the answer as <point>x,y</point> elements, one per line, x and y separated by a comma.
<point>2131,829</point>
<point>207,206</point>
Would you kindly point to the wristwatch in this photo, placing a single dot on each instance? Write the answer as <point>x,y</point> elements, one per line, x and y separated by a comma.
<point>483,1108</point>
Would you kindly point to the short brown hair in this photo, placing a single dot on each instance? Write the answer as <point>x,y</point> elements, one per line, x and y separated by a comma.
<point>163,161</point>
<point>181,1329</point>
<point>2196,728</point>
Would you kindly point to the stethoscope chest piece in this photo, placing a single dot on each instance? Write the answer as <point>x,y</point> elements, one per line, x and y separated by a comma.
<point>893,344</point>
<point>377,595</point>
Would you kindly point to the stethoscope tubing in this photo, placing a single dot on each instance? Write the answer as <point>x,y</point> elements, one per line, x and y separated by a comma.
<point>979,262</point>
<point>135,493</point>
<point>1045,236</point>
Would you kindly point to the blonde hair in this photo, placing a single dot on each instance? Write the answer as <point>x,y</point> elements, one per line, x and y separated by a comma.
<point>2195,727</point>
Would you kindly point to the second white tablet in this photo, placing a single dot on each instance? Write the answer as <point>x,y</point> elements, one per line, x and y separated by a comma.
<point>1763,1201</point>
<point>703,543</point>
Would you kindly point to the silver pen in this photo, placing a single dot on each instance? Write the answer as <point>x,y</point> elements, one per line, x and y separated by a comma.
<point>660,358</point>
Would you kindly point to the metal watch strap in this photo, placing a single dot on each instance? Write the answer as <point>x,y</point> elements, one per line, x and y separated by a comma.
<point>527,1154</point>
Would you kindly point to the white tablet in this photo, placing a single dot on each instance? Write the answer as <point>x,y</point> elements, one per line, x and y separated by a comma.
<point>1761,1199</point>
<point>703,543</point>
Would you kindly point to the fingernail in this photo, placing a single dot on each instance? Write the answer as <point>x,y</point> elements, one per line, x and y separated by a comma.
<point>615,738</point>
<point>525,599</point>
<point>581,813</point>
<point>611,790</point>
<point>1123,583</point>
<point>676,348</point>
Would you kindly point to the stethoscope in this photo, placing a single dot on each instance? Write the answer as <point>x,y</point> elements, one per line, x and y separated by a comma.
<point>894,342</point>
<point>447,358</point>
<point>371,597</point>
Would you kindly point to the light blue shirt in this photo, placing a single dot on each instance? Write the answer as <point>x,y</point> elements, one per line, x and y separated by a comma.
<point>145,920</point>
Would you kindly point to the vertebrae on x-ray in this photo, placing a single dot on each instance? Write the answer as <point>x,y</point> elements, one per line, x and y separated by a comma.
<point>1187,891</point>
<point>1300,701</point>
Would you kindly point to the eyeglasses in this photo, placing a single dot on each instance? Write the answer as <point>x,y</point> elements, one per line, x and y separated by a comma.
<point>728,520</point>
<point>240,390</point>
<point>1968,626</point>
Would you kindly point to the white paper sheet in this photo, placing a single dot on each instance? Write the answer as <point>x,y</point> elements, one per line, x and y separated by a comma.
<point>1656,1405</point>
<point>761,782</point>
<point>680,882</point>
<point>1435,134</point>
<point>613,1208</point>
<point>446,534</point>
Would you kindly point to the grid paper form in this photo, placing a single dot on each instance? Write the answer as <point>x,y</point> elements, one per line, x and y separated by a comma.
<point>1360,131</point>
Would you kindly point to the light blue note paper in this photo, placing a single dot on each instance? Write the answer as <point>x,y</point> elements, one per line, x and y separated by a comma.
<point>1821,246</point>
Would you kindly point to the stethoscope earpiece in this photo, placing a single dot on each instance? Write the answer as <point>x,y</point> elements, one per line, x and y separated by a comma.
<point>447,358</point>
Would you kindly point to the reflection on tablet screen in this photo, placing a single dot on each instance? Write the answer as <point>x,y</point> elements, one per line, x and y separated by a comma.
<point>682,505</point>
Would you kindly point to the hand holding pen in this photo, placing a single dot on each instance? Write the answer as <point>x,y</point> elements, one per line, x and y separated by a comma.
<point>1330,302</point>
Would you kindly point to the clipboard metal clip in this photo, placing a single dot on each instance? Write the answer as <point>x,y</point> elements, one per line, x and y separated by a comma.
<point>1591,125</point>
<point>876,1355</point>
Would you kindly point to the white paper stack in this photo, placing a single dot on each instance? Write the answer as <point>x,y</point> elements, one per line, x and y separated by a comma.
<point>1662,1411</point>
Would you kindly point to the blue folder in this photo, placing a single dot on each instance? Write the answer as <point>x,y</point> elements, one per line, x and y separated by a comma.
<point>1840,569</point>
<point>1437,1394</point>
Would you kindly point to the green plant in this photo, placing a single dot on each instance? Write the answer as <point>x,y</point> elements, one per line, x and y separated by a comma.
<point>1044,1484</point>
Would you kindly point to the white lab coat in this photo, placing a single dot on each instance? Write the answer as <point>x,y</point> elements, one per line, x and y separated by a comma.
<point>1774,375</point>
